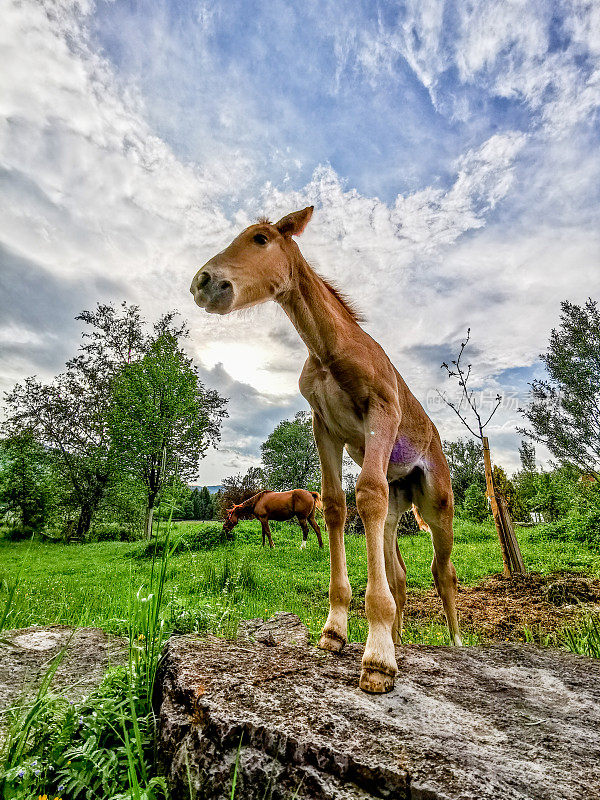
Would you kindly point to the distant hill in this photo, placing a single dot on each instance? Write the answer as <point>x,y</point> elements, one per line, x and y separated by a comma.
<point>211,489</point>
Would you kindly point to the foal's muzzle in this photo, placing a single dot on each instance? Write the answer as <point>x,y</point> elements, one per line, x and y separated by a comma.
<point>212,292</point>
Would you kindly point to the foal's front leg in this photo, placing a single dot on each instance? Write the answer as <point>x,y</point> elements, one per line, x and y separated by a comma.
<point>266,531</point>
<point>379,666</point>
<point>335,631</point>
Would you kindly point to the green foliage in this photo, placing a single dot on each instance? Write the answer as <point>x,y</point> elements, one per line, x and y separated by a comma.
<point>290,456</point>
<point>203,505</point>
<point>407,524</point>
<point>127,411</point>
<point>123,505</point>
<point>163,419</point>
<point>508,491</point>
<point>527,456</point>
<point>26,488</point>
<point>201,537</point>
<point>69,415</point>
<point>110,531</point>
<point>465,459</point>
<point>102,748</point>
<point>584,638</point>
<point>578,527</point>
<point>552,493</point>
<point>563,411</point>
<point>475,505</point>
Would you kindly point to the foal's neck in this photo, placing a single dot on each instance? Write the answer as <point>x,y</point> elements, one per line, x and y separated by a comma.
<point>322,321</point>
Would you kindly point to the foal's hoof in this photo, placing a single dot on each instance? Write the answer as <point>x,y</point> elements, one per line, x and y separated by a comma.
<point>374,681</point>
<point>332,641</point>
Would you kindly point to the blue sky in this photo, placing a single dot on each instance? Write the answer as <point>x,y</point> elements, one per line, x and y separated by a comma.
<point>450,150</point>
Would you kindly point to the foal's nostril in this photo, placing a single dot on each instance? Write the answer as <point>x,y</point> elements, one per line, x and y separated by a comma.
<point>204,279</point>
<point>224,285</point>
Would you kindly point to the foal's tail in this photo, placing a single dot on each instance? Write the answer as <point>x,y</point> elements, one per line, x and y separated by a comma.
<point>420,521</point>
<point>318,501</point>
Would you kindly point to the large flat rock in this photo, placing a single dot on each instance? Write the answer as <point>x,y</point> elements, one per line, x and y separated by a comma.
<point>501,722</point>
<point>26,654</point>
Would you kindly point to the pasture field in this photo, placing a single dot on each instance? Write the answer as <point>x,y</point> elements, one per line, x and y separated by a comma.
<point>104,746</point>
<point>211,590</point>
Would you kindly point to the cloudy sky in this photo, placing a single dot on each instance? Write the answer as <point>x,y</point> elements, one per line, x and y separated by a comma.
<point>450,150</point>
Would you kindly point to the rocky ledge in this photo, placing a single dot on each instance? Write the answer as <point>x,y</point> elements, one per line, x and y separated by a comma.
<point>501,722</point>
<point>26,655</point>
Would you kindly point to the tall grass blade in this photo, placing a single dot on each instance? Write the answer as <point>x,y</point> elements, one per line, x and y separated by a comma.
<point>236,768</point>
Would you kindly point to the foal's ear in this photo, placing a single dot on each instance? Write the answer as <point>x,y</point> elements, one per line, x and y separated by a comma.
<point>293,224</point>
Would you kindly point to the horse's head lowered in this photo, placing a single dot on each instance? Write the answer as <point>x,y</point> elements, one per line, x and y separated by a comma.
<point>255,267</point>
<point>232,520</point>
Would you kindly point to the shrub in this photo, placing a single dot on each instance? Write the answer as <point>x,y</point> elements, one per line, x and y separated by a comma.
<point>20,532</point>
<point>202,537</point>
<point>475,506</point>
<point>111,531</point>
<point>577,526</point>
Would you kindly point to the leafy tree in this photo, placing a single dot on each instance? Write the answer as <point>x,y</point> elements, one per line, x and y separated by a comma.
<point>69,416</point>
<point>163,419</point>
<point>555,492</point>
<point>475,505</point>
<point>236,489</point>
<point>526,481</point>
<point>202,504</point>
<point>290,456</point>
<point>564,411</point>
<point>124,503</point>
<point>465,459</point>
<point>25,480</point>
<point>527,457</point>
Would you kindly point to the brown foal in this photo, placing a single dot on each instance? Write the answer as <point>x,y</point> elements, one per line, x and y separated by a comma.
<point>280,506</point>
<point>359,402</point>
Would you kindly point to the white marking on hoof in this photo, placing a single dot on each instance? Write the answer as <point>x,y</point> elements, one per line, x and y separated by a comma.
<point>303,546</point>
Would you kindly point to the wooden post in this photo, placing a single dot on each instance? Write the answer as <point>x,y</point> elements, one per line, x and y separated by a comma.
<point>511,552</point>
<point>516,559</point>
<point>494,504</point>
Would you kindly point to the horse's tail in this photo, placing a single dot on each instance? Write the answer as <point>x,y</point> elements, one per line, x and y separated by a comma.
<point>318,501</point>
<point>420,521</point>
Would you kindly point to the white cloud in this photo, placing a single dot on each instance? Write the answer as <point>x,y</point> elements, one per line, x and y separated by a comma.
<point>91,193</point>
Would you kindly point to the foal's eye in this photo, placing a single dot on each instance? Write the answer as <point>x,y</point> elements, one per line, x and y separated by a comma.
<point>260,238</point>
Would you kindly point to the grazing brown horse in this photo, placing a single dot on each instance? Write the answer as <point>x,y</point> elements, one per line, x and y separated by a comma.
<point>359,401</point>
<point>279,506</point>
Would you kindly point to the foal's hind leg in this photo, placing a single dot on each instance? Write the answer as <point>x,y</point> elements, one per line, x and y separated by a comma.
<point>304,526</point>
<point>394,565</point>
<point>435,503</point>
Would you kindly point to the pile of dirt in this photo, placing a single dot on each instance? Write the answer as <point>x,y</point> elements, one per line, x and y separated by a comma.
<point>499,607</point>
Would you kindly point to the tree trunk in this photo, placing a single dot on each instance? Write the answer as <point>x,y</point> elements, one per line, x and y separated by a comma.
<point>148,522</point>
<point>84,522</point>
<point>90,506</point>
<point>150,513</point>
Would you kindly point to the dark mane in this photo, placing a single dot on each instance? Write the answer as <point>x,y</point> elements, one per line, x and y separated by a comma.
<point>264,221</point>
<point>344,301</point>
<point>249,504</point>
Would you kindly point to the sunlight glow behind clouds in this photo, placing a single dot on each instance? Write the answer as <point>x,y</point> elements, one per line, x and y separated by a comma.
<point>451,152</point>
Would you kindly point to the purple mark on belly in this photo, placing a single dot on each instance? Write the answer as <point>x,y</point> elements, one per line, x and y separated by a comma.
<point>403,452</point>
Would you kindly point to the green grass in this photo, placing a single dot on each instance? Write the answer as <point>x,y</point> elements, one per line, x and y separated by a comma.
<point>213,589</point>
